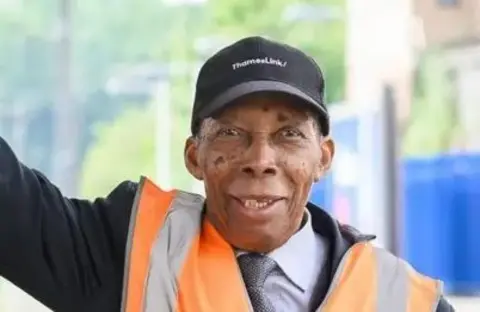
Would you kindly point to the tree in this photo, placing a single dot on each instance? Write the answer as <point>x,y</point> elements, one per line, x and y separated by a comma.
<point>103,170</point>
<point>26,76</point>
<point>184,24</point>
<point>125,149</point>
<point>433,121</point>
<point>26,56</point>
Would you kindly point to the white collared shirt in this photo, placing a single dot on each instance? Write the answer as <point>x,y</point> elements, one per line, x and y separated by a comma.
<point>299,261</point>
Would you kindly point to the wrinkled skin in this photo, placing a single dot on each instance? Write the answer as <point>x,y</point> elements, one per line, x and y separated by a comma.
<point>266,145</point>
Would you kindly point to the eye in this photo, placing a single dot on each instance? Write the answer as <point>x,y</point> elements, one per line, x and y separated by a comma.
<point>228,132</point>
<point>291,133</point>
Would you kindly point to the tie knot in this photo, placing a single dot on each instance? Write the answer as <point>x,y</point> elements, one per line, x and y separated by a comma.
<point>255,268</point>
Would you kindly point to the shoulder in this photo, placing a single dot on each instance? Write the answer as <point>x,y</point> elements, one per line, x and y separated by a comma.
<point>126,189</point>
<point>122,195</point>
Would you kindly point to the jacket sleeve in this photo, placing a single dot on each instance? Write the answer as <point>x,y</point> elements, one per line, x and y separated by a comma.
<point>61,251</point>
<point>444,306</point>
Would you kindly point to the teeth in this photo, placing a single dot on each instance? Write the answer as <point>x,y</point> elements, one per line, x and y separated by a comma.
<point>255,204</point>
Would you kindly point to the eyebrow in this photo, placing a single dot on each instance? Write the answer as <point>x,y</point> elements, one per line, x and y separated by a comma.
<point>292,122</point>
<point>226,123</point>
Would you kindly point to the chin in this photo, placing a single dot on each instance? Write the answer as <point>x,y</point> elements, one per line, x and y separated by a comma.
<point>255,241</point>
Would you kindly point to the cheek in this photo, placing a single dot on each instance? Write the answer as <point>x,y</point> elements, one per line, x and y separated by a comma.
<point>301,169</point>
<point>219,163</point>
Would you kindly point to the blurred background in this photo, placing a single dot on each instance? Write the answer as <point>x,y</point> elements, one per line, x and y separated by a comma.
<point>96,92</point>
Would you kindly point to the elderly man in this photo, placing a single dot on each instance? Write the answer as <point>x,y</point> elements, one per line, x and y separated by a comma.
<point>260,139</point>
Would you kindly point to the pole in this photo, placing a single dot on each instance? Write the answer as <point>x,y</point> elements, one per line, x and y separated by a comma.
<point>66,119</point>
<point>392,199</point>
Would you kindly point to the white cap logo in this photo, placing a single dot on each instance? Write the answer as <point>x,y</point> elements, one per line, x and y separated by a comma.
<point>256,61</point>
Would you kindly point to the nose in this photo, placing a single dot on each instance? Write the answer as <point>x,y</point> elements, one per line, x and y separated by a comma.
<point>259,160</point>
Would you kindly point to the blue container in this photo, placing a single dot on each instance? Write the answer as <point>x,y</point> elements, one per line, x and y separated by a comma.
<point>465,250</point>
<point>427,198</point>
<point>442,220</point>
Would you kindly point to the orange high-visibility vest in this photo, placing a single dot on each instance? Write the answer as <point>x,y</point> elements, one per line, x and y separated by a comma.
<point>177,262</point>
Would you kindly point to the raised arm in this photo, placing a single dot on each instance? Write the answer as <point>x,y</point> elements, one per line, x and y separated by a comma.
<point>64,252</point>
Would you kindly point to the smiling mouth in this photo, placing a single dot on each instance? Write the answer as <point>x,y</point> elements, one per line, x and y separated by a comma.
<point>257,203</point>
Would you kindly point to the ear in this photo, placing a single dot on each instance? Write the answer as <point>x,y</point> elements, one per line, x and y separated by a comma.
<point>327,147</point>
<point>190,156</point>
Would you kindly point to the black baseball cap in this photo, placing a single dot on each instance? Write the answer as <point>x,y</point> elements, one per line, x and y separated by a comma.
<point>253,65</point>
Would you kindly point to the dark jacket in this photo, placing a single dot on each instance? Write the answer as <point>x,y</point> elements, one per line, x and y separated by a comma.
<point>69,253</point>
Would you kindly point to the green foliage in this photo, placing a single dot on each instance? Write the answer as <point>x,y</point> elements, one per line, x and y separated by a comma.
<point>112,33</point>
<point>170,40</point>
<point>433,117</point>
<point>26,44</point>
<point>124,150</point>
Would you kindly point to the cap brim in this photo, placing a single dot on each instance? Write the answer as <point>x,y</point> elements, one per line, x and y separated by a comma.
<point>223,100</point>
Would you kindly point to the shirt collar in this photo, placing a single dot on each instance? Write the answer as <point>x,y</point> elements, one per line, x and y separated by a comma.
<point>297,258</point>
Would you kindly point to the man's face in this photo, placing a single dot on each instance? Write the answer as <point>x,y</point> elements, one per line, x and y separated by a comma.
<point>258,161</point>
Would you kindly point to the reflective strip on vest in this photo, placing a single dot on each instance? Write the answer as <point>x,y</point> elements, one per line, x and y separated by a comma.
<point>370,279</point>
<point>177,262</point>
